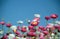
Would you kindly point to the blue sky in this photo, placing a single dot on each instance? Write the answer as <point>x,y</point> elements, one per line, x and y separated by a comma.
<point>14,10</point>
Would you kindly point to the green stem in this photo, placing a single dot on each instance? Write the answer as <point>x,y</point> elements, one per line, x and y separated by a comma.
<point>46,22</point>
<point>2,27</point>
<point>3,30</point>
<point>53,21</point>
<point>8,30</point>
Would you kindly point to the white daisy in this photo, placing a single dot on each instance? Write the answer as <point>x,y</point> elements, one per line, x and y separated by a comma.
<point>19,22</point>
<point>51,24</point>
<point>1,32</point>
<point>37,15</point>
<point>58,22</point>
<point>18,38</point>
<point>23,38</point>
<point>52,34</point>
<point>11,36</point>
<point>28,21</point>
<point>13,27</point>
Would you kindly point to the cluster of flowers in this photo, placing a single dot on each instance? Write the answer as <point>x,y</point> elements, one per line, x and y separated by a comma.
<point>33,31</point>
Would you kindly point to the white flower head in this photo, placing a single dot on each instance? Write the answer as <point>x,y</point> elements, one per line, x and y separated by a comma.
<point>57,22</point>
<point>1,31</point>
<point>56,25</point>
<point>37,15</point>
<point>17,37</point>
<point>11,36</point>
<point>19,22</point>
<point>34,20</point>
<point>28,20</point>
<point>24,26</point>
<point>27,28</point>
<point>51,24</point>
<point>52,34</point>
<point>23,38</point>
<point>37,32</point>
<point>13,27</point>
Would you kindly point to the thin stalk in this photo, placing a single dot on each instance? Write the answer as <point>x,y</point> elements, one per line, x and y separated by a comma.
<point>8,30</point>
<point>54,21</point>
<point>46,22</point>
